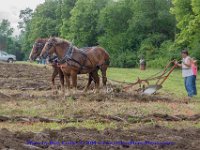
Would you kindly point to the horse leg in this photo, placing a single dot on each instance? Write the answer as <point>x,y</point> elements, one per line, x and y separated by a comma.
<point>96,80</point>
<point>89,82</point>
<point>67,78</point>
<point>61,76</point>
<point>55,73</point>
<point>74,82</point>
<point>103,69</point>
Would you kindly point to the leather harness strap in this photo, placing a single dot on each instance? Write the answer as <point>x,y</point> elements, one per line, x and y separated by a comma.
<point>69,57</point>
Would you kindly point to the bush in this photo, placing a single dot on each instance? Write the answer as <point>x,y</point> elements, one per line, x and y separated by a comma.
<point>127,59</point>
<point>164,55</point>
<point>195,47</point>
<point>158,62</point>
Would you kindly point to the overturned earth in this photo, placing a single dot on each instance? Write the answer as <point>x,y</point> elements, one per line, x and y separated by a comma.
<point>32,82</point>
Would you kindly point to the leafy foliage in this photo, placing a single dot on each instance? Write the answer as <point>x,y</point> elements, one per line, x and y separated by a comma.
<point>127,29</point>
<point>83,22</point>
<point>187,14</point>
<point>7,42</point>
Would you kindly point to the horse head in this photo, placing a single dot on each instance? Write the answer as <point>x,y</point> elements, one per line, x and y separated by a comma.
<point>37,48</point>
<point>55,45</point>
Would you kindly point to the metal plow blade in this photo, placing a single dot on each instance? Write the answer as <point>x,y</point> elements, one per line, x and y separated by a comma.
<point>152,89</point>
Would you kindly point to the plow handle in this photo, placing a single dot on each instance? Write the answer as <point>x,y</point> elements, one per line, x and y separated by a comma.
<point>165,77</point>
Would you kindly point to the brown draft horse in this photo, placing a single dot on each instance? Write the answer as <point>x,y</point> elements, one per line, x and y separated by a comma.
<point>35,53</point>
<point>75,61</point>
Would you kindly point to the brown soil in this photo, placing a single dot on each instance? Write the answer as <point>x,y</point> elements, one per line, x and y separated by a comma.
<point>52,139</point>
<point>19,81</point>
<point>103,118</point>
<point>23,79</point>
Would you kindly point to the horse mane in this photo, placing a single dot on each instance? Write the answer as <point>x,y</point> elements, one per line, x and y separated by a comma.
<point>41,40</point>
<point>60,40</point>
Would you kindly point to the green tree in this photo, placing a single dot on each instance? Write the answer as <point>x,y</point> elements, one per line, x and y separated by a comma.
<point>25,17</point>
<point>151,25</point>
<point>5,29</point>
<point>5,33</point>
<point>182,9</point>
<point>7,42</point>
<point>134,28</point>
<point>83,22</point>
<point>113,24</point>
<point>187,13</point>
<point>24,25</point>
<point>46,20</point>
<point>67,6</point>
<point>126,28</point>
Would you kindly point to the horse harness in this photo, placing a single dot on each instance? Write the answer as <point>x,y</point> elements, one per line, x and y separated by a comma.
<point>68,57</point>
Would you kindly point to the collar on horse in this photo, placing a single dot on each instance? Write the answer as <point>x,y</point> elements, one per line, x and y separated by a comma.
<point>69,57</point>
<point>53,59</point>
<point>68,54</point>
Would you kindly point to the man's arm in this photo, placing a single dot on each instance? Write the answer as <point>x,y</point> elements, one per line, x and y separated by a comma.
<point>188,63</point>
<point>177,64</point>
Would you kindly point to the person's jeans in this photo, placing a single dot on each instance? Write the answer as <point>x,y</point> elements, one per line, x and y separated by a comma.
<point>190,85</point>
<point>194,85</point>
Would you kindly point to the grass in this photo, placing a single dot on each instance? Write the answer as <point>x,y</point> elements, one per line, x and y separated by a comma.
<point>174,85</point>
<point>40,126</point>
<point>68,108</point>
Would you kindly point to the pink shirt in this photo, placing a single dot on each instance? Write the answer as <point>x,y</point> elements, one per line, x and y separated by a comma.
<point>194,69</point>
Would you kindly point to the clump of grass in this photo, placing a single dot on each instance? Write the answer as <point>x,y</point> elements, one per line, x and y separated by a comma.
<point>40,126</point>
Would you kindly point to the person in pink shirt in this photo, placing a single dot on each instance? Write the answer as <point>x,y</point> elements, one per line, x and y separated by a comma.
<point>194,66</point>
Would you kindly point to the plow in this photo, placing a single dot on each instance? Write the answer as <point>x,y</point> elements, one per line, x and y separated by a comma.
<point>158,79</point>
